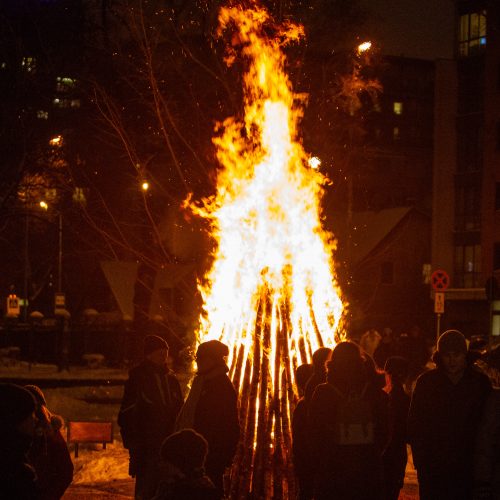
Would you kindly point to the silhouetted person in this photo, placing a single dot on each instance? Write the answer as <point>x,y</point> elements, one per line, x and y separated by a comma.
<point>185,453</point>
<point>319,359</point>
<point>348,426</point>
<point>369,341</point>
<point>487,451</point>
<point>17,427</point>
<point>303,469</point>
<point>211,409</point>
<point>445,410</point>
<point>386,348</point>
<point>151,402</point>
<point>413,347</point>
<point>395,454</point>
<point>49,454</point>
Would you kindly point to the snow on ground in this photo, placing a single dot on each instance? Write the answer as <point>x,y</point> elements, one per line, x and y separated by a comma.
<point>103,474</point>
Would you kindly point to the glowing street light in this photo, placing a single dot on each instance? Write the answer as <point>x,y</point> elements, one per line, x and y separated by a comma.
<point>56,141</point>
<point>145,185</point>
<point>363,47</point>
<point>44,205</point>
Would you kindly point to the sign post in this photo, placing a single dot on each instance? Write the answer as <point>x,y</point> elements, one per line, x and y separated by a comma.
<point>440,282</point>
<point>13,306</point>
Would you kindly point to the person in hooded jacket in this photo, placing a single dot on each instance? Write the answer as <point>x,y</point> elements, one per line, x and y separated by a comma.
<point>17,427</point>
<point>304,473</point>
<point>151,402</point>
<point>319,360</point>
<point>49,454</point>
<point>185,453</point>
<point>445,410</point>
<point>348,429</point>
<point>211,409</point>
<point>395,454</point>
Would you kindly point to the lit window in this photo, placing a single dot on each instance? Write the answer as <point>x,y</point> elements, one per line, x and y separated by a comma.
<point>65,84</point>
<point>397,107</point>
<point>395,133</point>
<point>79,195</point>
<point>42,115</point>
<point>3,65</point>
<point>472,33</point>
<point>29,64</point>
<point>75,103</point>
<point>468,266</point>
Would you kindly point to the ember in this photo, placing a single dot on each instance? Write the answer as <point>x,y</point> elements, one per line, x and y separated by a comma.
<point>271,294</point>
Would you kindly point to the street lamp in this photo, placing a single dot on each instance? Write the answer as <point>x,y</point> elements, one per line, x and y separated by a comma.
<point>43,204</point>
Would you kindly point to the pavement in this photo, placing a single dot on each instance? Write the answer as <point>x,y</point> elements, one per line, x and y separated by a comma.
<point>124,489</point>
<point>47,375</point>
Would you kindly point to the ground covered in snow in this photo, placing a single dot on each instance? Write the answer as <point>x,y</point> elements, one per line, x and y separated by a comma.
<point>95,394</point>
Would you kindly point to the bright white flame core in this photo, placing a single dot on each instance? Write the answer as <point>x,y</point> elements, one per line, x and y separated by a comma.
<point>266,216</point>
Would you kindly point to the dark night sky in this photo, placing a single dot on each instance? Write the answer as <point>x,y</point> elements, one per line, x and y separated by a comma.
<point>422,29</point>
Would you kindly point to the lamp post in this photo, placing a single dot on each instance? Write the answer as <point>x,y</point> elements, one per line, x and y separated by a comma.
<point>59,300</point>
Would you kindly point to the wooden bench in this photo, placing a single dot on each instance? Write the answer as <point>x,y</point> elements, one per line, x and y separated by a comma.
<point>96,431</point>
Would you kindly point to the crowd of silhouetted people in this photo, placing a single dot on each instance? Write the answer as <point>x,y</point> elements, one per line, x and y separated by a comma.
<point>361,406</point>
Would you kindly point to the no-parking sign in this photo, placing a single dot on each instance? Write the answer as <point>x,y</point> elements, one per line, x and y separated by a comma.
<point>440,280</point>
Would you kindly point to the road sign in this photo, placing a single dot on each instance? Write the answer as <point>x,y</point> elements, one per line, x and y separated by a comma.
<point>60,300</point>
<point>13,306</point>
<point>440,280</point>
<point>439,302</point>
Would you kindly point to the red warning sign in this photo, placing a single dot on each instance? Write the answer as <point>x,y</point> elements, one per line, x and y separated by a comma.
<point>440,280</point>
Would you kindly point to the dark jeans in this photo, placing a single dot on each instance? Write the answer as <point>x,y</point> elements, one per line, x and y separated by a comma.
<point>147,477</point>
<point>443,486</point>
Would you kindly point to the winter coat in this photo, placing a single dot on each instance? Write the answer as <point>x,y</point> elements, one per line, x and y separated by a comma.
<point>487,453</point>
<point>51,460</point>
<point>17,477</point>
<point>318,377</point>
<point>151,401</point>
<point>300,443</point>
<point>197,486</point>
<point>442,424</point>
<point>350,471</point>
<point>216,419</point>
<point>395,454</point>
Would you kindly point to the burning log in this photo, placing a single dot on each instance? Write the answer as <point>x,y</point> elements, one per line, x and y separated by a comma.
<point>271,294</point>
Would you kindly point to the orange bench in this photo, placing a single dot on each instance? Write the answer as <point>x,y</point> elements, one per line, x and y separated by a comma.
<point>96,431</point>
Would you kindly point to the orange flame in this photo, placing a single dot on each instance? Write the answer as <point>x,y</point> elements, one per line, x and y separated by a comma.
<point>265,216</point>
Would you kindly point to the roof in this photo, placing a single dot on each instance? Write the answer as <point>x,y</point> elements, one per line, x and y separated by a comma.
<point>368,229</point>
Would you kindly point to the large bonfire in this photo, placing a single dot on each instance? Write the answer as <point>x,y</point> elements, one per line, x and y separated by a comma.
<point>271,294</point>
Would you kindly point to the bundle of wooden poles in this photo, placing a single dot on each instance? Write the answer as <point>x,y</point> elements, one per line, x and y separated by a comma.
<point>263,466</point>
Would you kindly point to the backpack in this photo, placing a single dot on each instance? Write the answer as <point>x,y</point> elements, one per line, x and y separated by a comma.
<point>354,419</point>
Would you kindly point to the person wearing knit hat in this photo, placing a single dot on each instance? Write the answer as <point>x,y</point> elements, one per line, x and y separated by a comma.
<point>185,453</point>
<point>451,340</point>
<point>443,420</point>
<point>211,409</point>
<point>17,426</point>
<point>154,343</point>
<point>151,401</point>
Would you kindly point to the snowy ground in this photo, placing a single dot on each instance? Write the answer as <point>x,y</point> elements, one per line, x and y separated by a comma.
<point>101,474</point>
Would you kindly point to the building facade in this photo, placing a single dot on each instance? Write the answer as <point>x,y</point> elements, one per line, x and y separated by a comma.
<point>466,194</point>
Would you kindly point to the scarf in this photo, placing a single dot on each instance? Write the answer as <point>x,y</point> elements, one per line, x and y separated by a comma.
<point>185,419</point>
